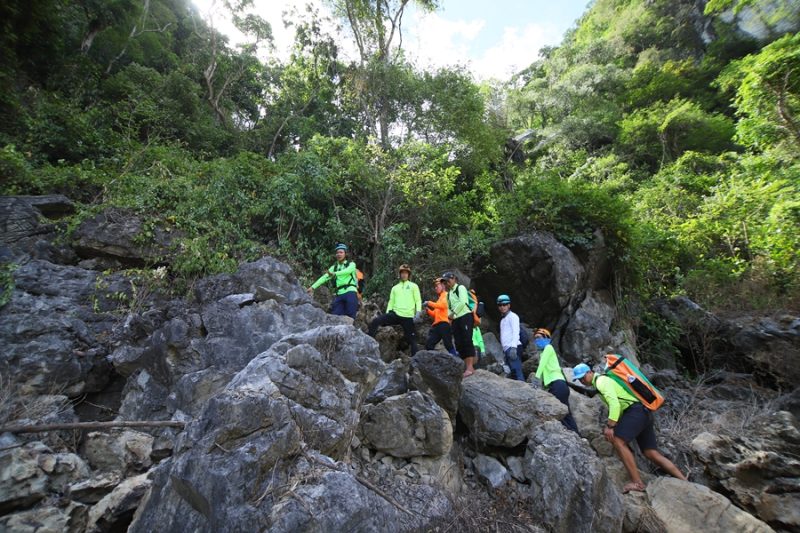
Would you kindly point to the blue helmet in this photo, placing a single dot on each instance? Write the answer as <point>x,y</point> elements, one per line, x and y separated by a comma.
<point>503,299</point>
<point>579,371</point>
<point>340,246</point>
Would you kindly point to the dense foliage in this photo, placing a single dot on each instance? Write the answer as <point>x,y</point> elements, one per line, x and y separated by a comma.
<point>671,130</point>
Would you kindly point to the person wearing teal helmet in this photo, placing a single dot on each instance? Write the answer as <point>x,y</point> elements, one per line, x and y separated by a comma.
<point>509,337</point>
<point>345,299</point>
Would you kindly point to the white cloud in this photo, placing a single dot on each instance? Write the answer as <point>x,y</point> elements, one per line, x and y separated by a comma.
<point>435,42</point>
<point>517,49</point>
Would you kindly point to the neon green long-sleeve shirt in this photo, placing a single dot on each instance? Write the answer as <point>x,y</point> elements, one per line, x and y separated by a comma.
<point>457,298</point>
<point>345,273</point>
<point>477,339</point>
<point>615,397</point>
<point>549,369</point>
<point>405,299</point>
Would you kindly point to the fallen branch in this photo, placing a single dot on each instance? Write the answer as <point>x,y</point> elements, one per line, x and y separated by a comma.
<point>92,425</point>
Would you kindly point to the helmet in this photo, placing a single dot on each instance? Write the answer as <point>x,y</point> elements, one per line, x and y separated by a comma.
<point>448,275</point>
<point>404,267</point>
<point>579,371</point>
<point>544,332</point>
<point>340,246</point>
<point>503,299</point>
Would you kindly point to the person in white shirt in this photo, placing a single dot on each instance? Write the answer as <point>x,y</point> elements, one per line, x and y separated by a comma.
<point>509,337</point>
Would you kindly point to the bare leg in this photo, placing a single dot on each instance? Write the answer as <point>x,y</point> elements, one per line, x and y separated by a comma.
<point>470,361</point>
<point>654,456</point>
<point>628,461</point>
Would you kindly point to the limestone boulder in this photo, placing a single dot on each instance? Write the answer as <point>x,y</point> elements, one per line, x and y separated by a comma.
<point>439,375</point>
<point>408,425</point>
<point>502,412</point>
<point>115,510</point>
<point>393,381</point>
<point>69,517</point>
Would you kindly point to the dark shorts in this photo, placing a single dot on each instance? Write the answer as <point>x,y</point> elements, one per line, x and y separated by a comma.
<point>637,423</point>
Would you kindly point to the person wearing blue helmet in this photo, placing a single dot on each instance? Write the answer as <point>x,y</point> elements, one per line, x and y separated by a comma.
<point>345,292</point>
<point>509,337</point>
<point>628,419</point>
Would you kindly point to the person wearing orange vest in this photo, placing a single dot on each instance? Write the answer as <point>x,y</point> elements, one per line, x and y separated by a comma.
<point>438,310</point>
<point>628,419</point>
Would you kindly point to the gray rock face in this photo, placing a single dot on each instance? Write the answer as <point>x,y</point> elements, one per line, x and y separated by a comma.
<point>684,506</point>
<point>588,330</point>
<point>70,518</point>
<point>393,381</point>
<point>409,425</point>
<point>113,511</point>
<point>760,469</point>
<point>26,234</point>
<point>33,472</point>
<point>53,329</point>
<point>117,233</point>
<point>490,471</point>
<point>438,374</point>
<point>502,412</point>
<point>551,286</point>
<point>767,347</point>
<point>570,489</point>
<point>120,452</point>
<point>303,392</point>
<point>350,506</point>
<point>494,350</point>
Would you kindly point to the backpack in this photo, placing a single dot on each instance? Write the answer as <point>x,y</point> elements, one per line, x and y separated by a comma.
<point>475,306</point>
<point>360,283</point>
<point>524,339</point>
<point>633,380</point>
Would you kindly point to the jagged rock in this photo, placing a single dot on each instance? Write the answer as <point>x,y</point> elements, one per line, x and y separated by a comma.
<point>502,412</point>
<point>119,452</point>
<point>393,381</point>
<point>92,490</point>
<point>588,330</point>
<point>266,274</point>
<point>390,342</point>
<point>305,391</point>
<point>24,232</point>
<point>119,234</point>
<point>588,414</point>
<point>408,425</point>
<point>144,398</point>
<point>684,506</point>
<point>640,516</point>
<point>516,467</point>
<point>494,350</point>
<point>490,471</point>
<point>69,518</point>
<point>31,472</point>
<point>441,471</point>
<point>767,346</point>
<point>570,489</point>
<point>759,469</point>
<point>336,501</point>
<point>51,334</point>
<point>115,511</point>
<point>44,409</point>
<point>551,287</point>
<point>438,374</point>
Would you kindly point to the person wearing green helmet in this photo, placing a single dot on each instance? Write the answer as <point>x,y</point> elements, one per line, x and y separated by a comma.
<point>345,299</point>
<point>509,337</point>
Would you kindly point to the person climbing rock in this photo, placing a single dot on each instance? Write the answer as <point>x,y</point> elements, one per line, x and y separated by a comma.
<point>459,311</point>
<point>404,302</point>
<point>550,374</point>
<point>343,272</point>
<point>627,420</point>
<point>509,337</point>
<point>440,330</point>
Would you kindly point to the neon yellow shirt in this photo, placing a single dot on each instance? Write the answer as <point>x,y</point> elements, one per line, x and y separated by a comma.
<point>345,273</point>
<point>549,370</point>
<point>615,397</point>
<point>405,299</point>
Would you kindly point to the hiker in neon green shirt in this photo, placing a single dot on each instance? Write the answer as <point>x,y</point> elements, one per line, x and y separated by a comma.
<point>345,299</point>
<point>550,374</point>
<point>628,419</point>
<point>463,322</point>
<point>404,302</point>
